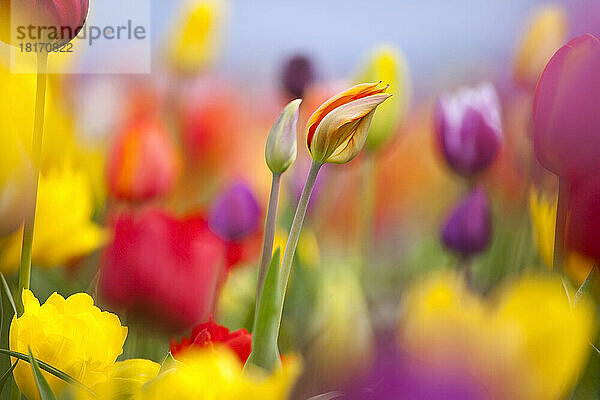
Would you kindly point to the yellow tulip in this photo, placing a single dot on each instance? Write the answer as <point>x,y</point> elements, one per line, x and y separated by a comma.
<point>543,220</point>
<point>344,345</point>
<point>337,131</point>
<point>307,251</point>
<point>63,228</point>
<point>217,374</point>
<point>194,44</point>
<point>124,381</point>
<point>387,64</point>
<point>70,334</point>
<point>545,34</point>
<point>529,343</point>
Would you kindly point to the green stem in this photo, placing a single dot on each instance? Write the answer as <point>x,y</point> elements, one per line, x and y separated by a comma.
<point>561,223</point>
<point>292,242</point>
<point>269,236</point>
<point>367,211</point>
<point>38,133</point>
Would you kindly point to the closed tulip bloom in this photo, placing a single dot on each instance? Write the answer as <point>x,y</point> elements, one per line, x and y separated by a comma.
<point>195,41</point>
<point>566,113</point>
<point>163,269</point>
<point>143,162</point>
<point>338,130</point>
<point>387,64</point>
<point>467,230</point>
<point>70,334</point>
<point>282,147</point>
<point>210,334</point>
<point>469,128</point>
<point>546,32</point>
<point>52,20</point>
<point>298,73</point>
<point>235,213</point>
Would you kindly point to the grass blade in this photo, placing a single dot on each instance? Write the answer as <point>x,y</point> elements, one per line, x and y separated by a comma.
<point>50,369</point>
<point>44,389</point>
<point>6,375</point>
<point>8,293</point>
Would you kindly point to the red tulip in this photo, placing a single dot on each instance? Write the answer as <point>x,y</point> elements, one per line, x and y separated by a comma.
<point>143,162</point>
<point>57,21</point>
<point>163,268</point>
<point>210,333</point>
<point>566,111</point>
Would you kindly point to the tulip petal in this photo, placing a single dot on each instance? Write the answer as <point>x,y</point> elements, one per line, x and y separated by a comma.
<point>354,93</point>
<point>346,123</point>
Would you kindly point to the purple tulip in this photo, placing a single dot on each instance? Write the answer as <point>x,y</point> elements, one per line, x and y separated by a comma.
<point>396,375</point>
<point>469,128</point>
<point>236,213</point>
<point>566,110</point>
<point>298,72</point>
<point>468,229</point>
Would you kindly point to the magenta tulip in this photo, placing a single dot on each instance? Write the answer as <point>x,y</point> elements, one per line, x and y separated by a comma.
<point>566,110</point>
<point>467,230</point>
<point>469,128</point>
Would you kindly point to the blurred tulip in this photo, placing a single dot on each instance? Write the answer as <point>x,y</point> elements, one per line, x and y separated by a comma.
<point>282,148</point>
<point>543,220</point>
<point>298,72</point>
<point>194,43</point>
<point>209,334</point>
<point>338,130</point>
<point>468,229</point>
<point>164,269</point>
<point>387,64</point>
<point>566,113</point>
<point>527,342</point>
<point>469,128</point>
<point>57,21</point>
<point>546,32</point>
<point>217,374</point>
<point>124,381</point>
<point>143,162</point>
<point>70,334</point>
<point>16,183</point>
<point>235,214</point>
<point>344,343</point>
<point>64,195</point>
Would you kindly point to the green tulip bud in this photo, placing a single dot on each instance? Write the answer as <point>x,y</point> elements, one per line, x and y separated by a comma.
<point>282,147</point>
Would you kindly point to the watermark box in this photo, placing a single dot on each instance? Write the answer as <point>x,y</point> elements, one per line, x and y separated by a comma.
<point>115,39</point>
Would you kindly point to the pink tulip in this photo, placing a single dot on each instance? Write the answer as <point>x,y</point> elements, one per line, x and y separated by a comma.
<point>566,110</point>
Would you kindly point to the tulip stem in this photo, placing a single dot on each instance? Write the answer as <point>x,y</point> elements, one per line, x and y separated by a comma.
<point>292,242</point>
<point>36,145</point>
<point>269,236</point>
<point>561,223</point>
<point>38,132</point>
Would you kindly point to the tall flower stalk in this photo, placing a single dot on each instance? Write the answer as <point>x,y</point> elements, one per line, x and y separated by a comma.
<point>336,133</point>
<point>38,134</point>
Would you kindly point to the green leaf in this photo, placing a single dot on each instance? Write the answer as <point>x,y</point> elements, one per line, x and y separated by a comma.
<point>265,353</point>
<point>8,293</point>
<point>586,286</point>
<point>44,389</point>
<point>168,364</point>
<point>6,375</point>
<point>50,369</point>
